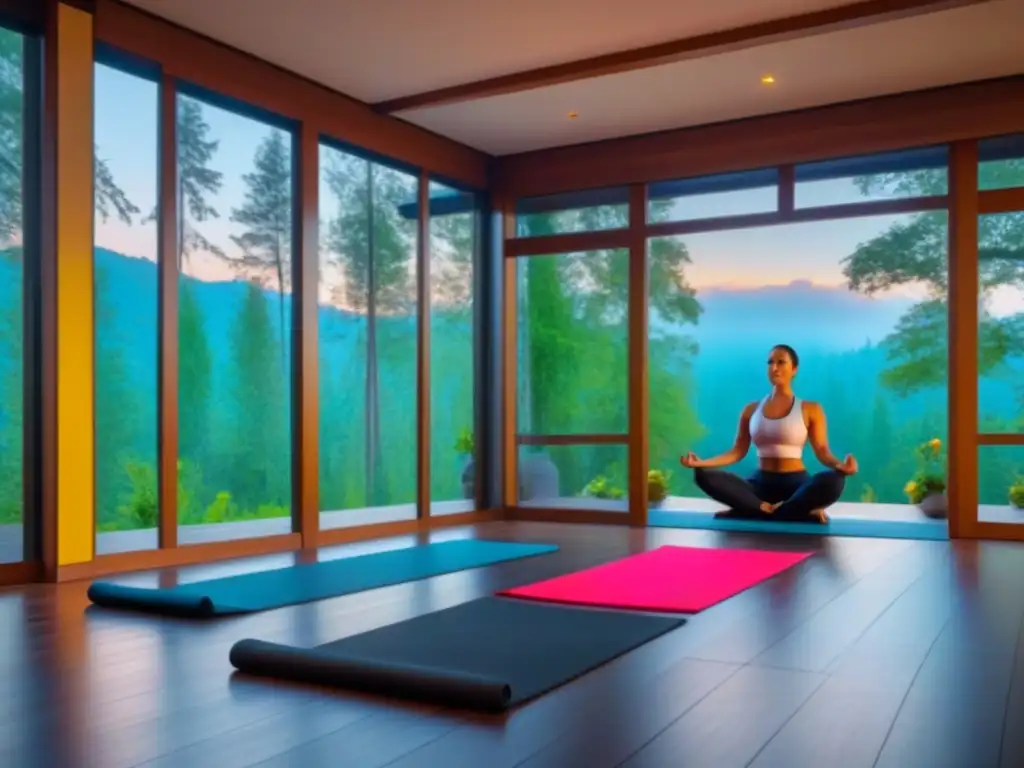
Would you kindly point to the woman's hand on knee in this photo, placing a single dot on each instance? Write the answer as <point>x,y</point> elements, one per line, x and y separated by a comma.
<point>847,466</point>
<point>690,461</point>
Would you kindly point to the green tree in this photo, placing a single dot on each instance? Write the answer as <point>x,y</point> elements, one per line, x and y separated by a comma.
<point>196,181</point>
<point>914,252</point>
<point>259,388</point>
<point>371,244</point>
<point>266,214</point>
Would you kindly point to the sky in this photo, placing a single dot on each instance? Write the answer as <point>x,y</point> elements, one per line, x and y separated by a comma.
<point>126,137</point>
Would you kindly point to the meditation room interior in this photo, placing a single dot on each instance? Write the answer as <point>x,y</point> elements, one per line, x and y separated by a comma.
<point>615,384</point>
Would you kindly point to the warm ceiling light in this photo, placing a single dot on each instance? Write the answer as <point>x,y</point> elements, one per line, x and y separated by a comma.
<point>767,80</point>
<point>573,115</point>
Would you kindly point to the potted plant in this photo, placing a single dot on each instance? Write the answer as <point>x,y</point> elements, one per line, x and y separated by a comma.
<point>657,486</point>
<point>466,448</point>
<point>927,488</point>
<point>601,488</point>
<point>1017,493</point>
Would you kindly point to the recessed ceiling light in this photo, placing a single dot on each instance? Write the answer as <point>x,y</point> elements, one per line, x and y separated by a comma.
<point>573,115</point>
<point>767,80</point>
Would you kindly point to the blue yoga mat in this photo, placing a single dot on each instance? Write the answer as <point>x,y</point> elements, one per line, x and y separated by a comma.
<point>845,526</point>
<point>263,590</point>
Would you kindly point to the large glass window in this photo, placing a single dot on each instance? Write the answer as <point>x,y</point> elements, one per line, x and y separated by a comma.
<point>712,197</point>
<point>234,324</point>
<point>12,105</point>
<point>572,343</point>
<point>367,341</point>
<point>1001,322</point>
<point>1001,484</point>
<point>572,361</point>
<point>863,302</point>
<point>865,178</point>
<point>126,300</point>
<point>453,240</point>
<point>586,211</point>
<point>1001,162</point>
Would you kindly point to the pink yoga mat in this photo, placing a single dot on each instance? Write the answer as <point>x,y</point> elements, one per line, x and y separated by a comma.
<point>667,579</point>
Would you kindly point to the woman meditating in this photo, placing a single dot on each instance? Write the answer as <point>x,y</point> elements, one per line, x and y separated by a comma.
<point>779,426</point>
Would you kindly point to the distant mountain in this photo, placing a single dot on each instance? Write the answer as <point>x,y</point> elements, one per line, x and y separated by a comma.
<point>805,316</point>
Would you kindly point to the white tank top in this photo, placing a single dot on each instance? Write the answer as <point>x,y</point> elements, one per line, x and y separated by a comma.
<point>779,438</point>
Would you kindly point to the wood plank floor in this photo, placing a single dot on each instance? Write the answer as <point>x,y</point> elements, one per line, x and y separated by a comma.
<point>886,653</point>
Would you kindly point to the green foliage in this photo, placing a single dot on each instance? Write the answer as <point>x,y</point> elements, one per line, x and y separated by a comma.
<point>657,484</point>
<point>601,488</point>
<point>914,252</point>
<point>931,476</point>
<point>1016,494</point>
<point>464,444</point>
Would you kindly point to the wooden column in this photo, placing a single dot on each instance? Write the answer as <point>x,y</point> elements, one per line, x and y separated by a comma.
<point>505,221</point>
<point>637,356</point>
<point>423,347</point>
<point>167,265</point>
<point>305,338</point>
<point>962,447</point>
<point>67,275</point>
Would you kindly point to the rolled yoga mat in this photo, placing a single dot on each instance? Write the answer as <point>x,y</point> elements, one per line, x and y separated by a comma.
<point>488,655</point>
<point>669,579</point>
<point>263,590</point>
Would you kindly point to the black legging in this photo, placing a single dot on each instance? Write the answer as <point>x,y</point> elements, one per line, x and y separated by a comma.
<point>800,492</point>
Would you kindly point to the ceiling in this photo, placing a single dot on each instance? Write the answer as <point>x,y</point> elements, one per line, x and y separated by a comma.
<point>385,49</point>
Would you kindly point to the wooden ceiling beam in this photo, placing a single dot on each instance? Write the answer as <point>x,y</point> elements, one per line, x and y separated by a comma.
<point>849,16</point>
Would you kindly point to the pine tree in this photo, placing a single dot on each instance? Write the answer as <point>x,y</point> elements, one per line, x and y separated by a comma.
<point>372,245</point>
<point>257,477</point>
<point>266,214</point>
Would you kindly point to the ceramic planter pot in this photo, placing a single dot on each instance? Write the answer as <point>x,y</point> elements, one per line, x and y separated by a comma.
<point>935,506</point>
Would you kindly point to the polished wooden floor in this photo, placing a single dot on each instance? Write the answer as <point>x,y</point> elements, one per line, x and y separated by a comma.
<point>884,653</point>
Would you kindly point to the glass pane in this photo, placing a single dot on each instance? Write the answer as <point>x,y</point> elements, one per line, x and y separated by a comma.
<point>126,300</point>
<point>234,325</point>
<point>11,302</point>
<point>586,211</point>
<point>1001,483</point>
<point>574,477</point>
<point>572,338</point>
<point>367,342</point>
<point>453,227</point>
<point>1001,322</point>
<point>886,176</point>
<point>862,301</point>
<point>712,197</point>
<point>1001,162</point>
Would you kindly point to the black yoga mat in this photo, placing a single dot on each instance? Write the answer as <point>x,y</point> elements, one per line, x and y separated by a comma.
<point>488,654</point>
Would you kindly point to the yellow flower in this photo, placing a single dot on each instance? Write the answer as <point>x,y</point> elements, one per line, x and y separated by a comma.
<point>936,445</point>
<point>909,488</point>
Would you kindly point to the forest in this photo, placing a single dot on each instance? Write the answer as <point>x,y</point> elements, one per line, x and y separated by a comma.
<point>884,396</point>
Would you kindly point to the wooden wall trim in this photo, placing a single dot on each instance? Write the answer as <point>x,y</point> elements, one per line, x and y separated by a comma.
<point>936,116</point>
<point>204,62</point>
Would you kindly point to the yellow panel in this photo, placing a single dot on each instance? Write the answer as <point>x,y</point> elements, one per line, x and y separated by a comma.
<point>75,476</point>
